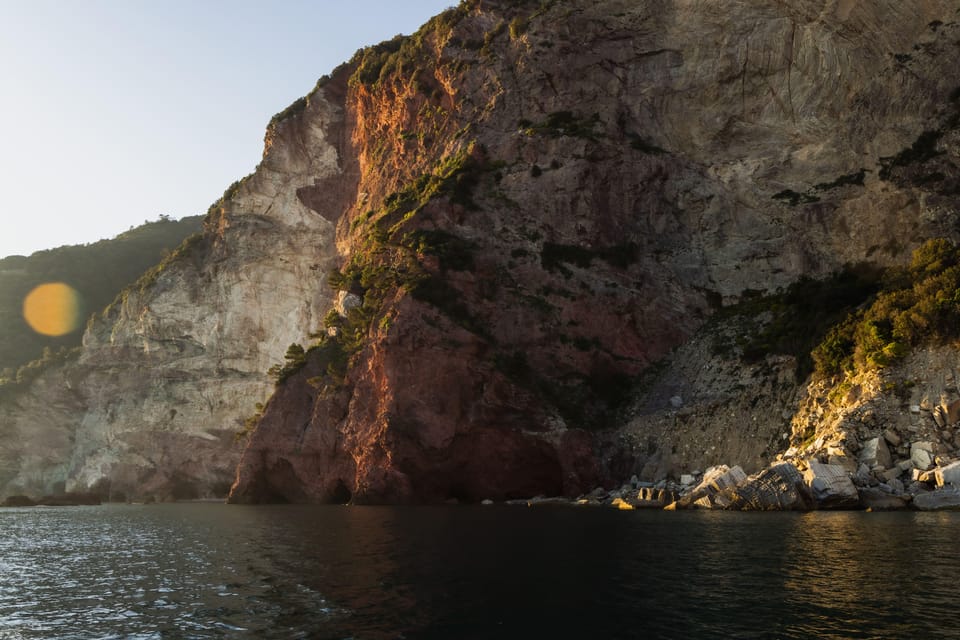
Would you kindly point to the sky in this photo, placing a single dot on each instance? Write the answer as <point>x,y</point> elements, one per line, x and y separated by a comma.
<point>115,112</point>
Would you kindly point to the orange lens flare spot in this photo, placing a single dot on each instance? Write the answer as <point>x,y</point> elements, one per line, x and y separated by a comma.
<point>52,309</point>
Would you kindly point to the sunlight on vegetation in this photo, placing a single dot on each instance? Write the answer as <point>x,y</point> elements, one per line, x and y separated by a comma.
<point>919,304</point>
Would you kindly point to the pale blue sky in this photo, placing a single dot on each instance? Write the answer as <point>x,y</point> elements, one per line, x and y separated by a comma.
<point>118,111</point>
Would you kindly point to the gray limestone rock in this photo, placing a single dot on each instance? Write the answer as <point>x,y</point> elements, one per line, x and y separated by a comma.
<point>941,499</point>
<point>716,480</point>
<point>875,453</point>
<point>891,437</point>
<point>875,499</point>
<point>949,474</point>
<point>780,487</point>
<point>921,454</point>
<point>831,487</point>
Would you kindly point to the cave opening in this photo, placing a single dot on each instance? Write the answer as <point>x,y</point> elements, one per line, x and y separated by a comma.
<point>341,495</point>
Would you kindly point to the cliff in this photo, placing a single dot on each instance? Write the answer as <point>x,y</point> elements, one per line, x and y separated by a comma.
<point>169,372</point>
<point>511,245</point>
<point>563,197</point>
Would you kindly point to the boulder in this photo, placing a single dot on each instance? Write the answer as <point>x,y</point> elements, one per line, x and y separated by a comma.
<point>921,454</point>
<point>347,301</point>
<point>830,486</point>
<point>875,453</point>
<point>779,487</point>
<point>544,501</point>
<point>847,463</point>
<point>715,480</point>
<point>875,499</point>
<point>949,474</point>
<point>940,416</point>
<point>892,473</point>
<point>953,412</point>
<point>651,497</point>
<point>940,499</point>
<point>891,437</point>
<point>621,504</point>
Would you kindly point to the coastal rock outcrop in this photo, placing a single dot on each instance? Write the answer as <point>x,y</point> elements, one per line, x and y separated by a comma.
<point>778,488</point>
<point>831,486</point>
<point>504,255</point>
<point>170,371</point>
<point>548,263</point>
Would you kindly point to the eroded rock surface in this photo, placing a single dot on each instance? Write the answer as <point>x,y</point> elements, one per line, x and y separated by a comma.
<point>527,208</point>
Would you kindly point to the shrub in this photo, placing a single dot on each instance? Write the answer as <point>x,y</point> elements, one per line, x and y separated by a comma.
<point>919,304</point>
<point>295,358</point>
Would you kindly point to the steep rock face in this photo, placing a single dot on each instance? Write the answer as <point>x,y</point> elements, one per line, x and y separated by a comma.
<point>169,372</point>
<point>534,205</point>
<point>551,201</point>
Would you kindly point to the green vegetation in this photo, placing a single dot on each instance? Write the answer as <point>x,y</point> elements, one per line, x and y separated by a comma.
<point>553,256</point>
<point>294,360</point>
<point>858,319</point>
<point>99,271</point>
<point>589,402</point>
<point>641,144</point>
<point>564,123</point>
<point>794,321</point>
<point>249,424</point>
<point>11,379</point>
<point>923,148</point>
<point>395,257</point>
<point>793,198</point>
<point>853,179</point>
<point>296,108</point>
<point>919,304</point>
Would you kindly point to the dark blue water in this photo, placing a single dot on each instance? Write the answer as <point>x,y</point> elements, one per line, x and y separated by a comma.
<point>213,571</point>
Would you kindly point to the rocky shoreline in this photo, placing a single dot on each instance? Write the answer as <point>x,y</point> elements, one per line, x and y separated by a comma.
<point>783,486</point>
<point>62,500</point>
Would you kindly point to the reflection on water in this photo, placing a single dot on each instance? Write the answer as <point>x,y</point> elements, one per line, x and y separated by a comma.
<point>842,579</point>
<point>211,571</point>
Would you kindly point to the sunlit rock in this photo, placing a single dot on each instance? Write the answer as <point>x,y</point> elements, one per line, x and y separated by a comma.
<point>830,486</point>
<point>715,481</point>
<point>949,474</point>
<point>780,487</point>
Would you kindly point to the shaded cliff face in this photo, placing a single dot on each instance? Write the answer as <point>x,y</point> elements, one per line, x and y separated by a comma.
<point>515,212</point>
<point>549,201</point>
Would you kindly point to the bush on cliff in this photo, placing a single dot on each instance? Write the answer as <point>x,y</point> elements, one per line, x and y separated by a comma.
<point>919,304</point>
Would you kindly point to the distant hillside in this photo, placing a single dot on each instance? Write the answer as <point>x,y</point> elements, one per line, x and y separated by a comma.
<point>97,271</point>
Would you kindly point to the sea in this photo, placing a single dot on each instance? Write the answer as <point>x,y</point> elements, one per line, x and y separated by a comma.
<point>201,570</point>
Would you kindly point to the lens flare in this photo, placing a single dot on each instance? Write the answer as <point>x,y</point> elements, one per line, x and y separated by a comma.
<point>52,309</point>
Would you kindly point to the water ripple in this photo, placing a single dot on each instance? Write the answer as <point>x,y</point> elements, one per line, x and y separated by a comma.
<point>211,571</point>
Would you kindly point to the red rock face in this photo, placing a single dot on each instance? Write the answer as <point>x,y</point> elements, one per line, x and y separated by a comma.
<point>418,422</point>
<point>534,214</point>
